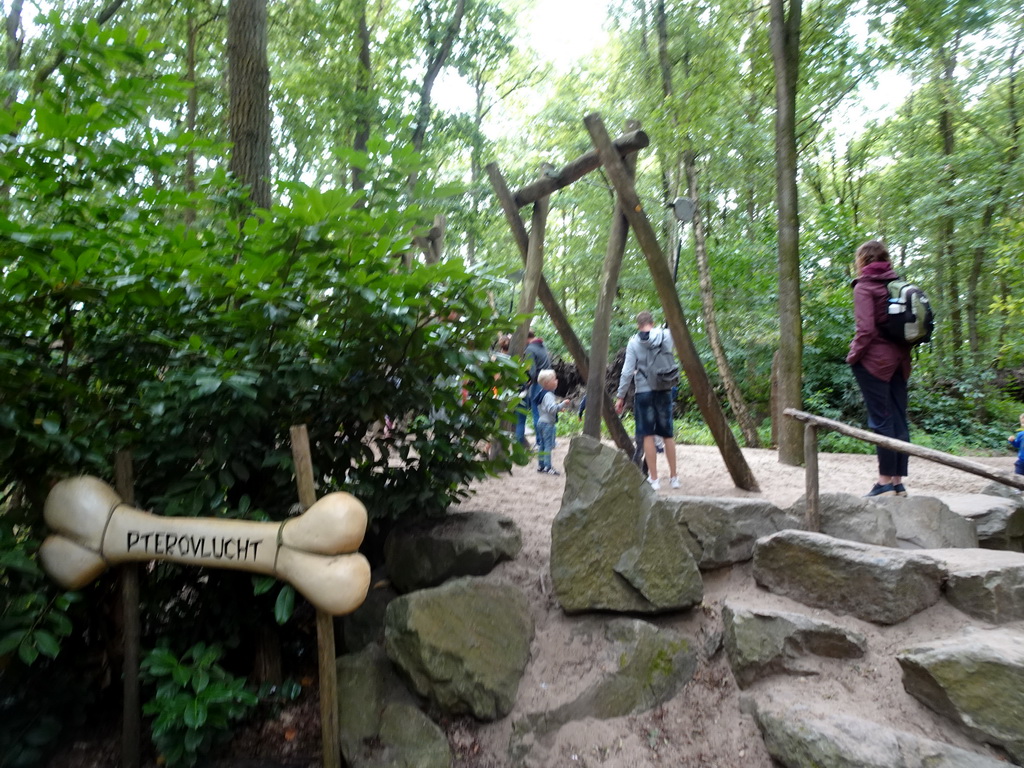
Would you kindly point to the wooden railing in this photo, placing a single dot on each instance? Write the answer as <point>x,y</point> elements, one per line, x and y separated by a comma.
<point>813,423</point>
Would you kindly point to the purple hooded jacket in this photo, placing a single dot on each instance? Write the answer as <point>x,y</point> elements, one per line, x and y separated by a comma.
<point>880,356</point>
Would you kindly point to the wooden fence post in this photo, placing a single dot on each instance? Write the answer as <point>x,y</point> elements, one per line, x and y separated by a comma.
<point>326,653</point>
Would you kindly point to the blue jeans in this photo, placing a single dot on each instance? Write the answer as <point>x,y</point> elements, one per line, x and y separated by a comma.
<point>528,405</point>
<point>545,443</point>
<point>886,402</point>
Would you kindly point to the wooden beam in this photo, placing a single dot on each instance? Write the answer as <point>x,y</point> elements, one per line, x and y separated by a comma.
<point>326,652</point>
<point>709,406</point>
<point>553,308</point>
<point>949,460</point>
<point>532,274</point>
<point>596,394</point>
<point>577,169</point>
<point>131,725</point>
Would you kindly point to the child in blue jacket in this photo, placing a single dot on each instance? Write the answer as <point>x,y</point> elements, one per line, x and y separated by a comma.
<point>1017,442</point>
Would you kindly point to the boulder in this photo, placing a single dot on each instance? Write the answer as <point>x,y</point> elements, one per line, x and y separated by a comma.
<point>797,737</point>
<point>1000,489</point>
<point>760,643</point>
<point>999,521</point>
<point>648,667</point>
<point>379,722</point>
<point>975,679</point>
<point>924,522</point>
<point>612,548</point>
<point>849,517</point>
<point>985,584</point>
<point>725,530</point>
<point>463,645</point>
<point>429,553</point>
<point>877,584</point>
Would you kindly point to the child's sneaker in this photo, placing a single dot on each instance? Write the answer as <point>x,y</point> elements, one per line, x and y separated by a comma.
<point>552,471</point>
<point>674,482</point>
<point>655,484</point>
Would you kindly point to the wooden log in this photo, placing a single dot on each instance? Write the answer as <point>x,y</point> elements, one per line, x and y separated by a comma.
<point>577,169</point>
<point>947,459</point>
<point>532,274</point>
<point>131,723</point>
<point>596,394</point>
<point>709,406</point>
<point>326,652</point>
<point>812,517</point>
<point>553,308</point>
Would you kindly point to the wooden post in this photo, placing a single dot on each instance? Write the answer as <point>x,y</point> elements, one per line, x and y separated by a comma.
<point>552,307</point>
<point>710,408</point>
<point>596,394</point>
<point>532,274</point>
<point>131,725</point>
<point>326,653</point>
<point>812,518</point>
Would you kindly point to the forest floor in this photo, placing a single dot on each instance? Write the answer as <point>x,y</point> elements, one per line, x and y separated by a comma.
<point>701,726</point>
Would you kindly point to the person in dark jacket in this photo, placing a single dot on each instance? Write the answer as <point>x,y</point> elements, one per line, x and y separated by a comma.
<point>880,365</point>
<point>539,359</point>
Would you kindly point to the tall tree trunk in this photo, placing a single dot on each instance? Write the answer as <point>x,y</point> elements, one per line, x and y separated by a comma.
<point>785,44</point>
<point>949,282</point>
<point>191,107</point>
<point>437,57</point>
<point>992,207</point>
<point>707,301</point>
<point>363,81</point>
<point>249,97</point>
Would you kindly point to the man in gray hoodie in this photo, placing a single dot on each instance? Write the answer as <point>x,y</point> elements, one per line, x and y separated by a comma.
<point>652,408</point>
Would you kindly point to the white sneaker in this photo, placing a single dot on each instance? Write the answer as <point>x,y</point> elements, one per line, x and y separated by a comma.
<point>674,482</point>
<point>655,484</point>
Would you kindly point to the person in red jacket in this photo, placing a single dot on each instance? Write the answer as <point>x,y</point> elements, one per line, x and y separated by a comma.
<point>880,365</point>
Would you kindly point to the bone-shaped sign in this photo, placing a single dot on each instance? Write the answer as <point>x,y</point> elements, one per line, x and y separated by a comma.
<point>314,552</point>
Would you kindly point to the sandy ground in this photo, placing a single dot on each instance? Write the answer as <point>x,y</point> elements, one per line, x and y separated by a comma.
<point>703,725</point>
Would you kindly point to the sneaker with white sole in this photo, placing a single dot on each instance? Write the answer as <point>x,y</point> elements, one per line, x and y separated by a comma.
<point>674,482</point>
<point>655,484</point>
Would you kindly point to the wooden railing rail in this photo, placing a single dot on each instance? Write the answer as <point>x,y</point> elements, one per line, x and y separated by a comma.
<point>812,423</point>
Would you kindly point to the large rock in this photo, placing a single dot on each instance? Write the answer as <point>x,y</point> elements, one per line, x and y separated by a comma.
<point>379,722</point>
<point>849,517</point>
<point>725,530</point>
<point>975,679</point>
<point>797,737</point>
<point>985,584</point>
<point>612,548</point>
<point>462,645</point>
<point>649,666</point>
<point>877,584</point>
<point>429,553</point>
<point>924,522</point>
<point>760,643</point>
<point>999,521</point>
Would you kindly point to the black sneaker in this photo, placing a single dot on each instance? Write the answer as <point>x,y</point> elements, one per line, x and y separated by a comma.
<point>900,490</point>
<point>881,490</point>
<point>553,471</point>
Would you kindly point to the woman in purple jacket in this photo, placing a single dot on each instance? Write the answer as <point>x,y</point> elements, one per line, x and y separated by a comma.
<point>880,365</point>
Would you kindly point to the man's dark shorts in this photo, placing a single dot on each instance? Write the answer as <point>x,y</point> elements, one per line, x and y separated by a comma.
<point>653,413</point>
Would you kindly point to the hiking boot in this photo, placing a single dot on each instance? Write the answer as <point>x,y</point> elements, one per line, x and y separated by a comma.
<point>655,484</point>
<point>881,490</point>
<point>900,490</point>
<point>674,482</point>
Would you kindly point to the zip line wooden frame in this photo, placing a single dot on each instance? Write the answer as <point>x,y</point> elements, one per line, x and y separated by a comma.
<point>618,158</point>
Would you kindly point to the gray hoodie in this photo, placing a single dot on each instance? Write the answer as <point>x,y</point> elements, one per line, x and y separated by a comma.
<point>640,354</point>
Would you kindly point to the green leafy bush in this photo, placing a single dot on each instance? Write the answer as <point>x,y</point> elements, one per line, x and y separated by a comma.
<point>194,703</point>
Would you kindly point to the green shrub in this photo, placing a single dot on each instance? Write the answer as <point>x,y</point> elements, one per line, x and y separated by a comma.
<point>194,702</point>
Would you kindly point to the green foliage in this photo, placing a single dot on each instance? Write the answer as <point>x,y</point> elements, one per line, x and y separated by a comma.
<point>194,702</point>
